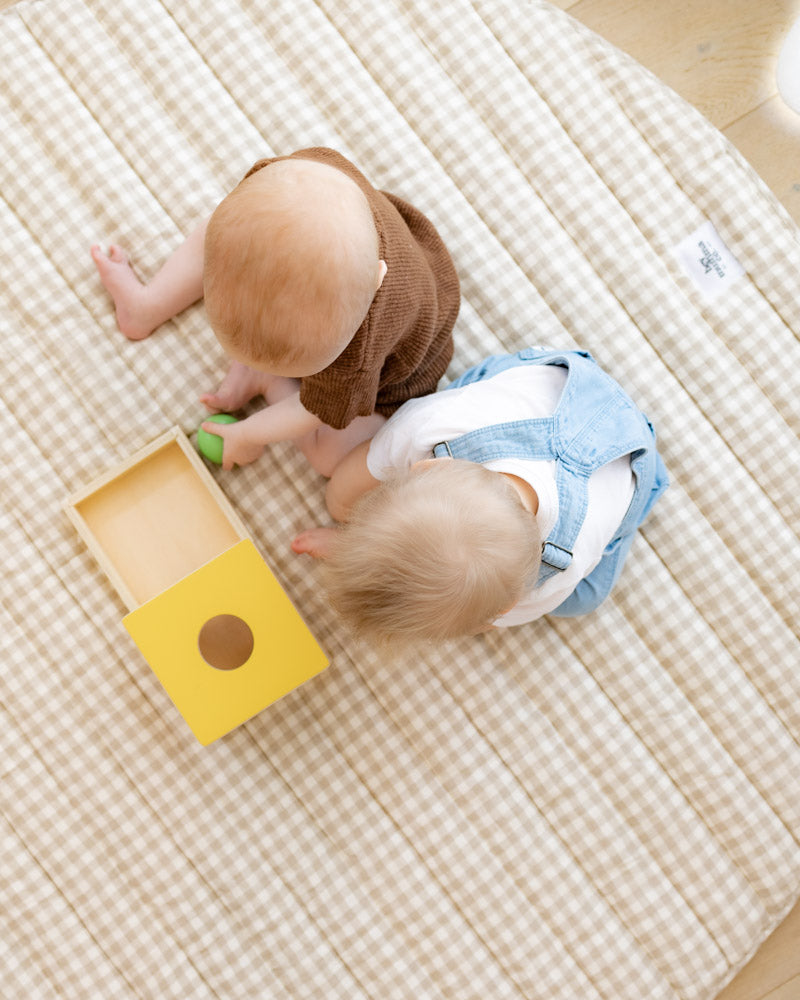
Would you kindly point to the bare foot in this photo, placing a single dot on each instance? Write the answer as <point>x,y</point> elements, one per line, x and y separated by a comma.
<point>134,317</point>
<point>316,542</point>
<point>239,386</point>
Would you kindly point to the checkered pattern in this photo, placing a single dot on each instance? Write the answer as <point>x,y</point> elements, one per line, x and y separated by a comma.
<point>606,808</point>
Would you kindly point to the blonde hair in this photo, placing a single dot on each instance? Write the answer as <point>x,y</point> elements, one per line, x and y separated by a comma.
<point>436,553</point>
<point>291,265</point>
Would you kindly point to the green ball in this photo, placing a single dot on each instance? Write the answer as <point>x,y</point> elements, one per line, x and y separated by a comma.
<point>211,445</point>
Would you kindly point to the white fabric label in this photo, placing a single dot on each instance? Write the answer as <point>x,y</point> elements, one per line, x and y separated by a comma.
<point>708,262</point>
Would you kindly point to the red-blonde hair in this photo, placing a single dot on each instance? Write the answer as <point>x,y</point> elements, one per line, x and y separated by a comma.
<point>291,265</point>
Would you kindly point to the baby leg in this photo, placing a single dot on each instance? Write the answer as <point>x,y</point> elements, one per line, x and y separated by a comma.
<point>142,307</point>
<point>243,383</point>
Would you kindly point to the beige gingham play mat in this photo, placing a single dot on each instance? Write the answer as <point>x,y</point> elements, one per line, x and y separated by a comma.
<point>601,809</point>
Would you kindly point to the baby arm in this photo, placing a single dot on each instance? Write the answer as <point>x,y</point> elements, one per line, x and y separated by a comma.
<point>285,420</point>
<point>351,479</point>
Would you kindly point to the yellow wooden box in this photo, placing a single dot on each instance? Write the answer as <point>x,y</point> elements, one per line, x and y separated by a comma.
<point>206,611</point>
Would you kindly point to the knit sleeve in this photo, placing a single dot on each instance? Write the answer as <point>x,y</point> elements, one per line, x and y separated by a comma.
<point>338,396</point>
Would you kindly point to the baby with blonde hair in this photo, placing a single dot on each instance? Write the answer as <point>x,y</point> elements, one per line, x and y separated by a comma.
<point>514,493</point>
<point>439,551</point>
<point>335,301</point>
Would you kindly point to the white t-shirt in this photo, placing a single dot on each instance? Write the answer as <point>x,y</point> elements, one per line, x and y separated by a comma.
<point>519,393</point>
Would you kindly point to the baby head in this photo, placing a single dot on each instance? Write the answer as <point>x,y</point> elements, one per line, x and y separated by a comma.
<point>439,552</point>
<point>291,267</point>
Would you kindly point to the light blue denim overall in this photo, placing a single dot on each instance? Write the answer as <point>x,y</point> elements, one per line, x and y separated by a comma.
<point>594,423</point>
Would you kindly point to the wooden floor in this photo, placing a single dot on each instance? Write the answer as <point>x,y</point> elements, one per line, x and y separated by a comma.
<point>720,55</point>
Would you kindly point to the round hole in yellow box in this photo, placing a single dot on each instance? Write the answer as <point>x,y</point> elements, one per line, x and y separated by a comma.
<point>226,642</point>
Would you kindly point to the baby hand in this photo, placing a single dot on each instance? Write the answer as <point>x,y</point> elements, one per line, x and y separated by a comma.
<point>316,542</point>
<point>238,447</point>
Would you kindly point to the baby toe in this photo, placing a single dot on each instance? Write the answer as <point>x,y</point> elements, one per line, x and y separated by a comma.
<point>117,254</point>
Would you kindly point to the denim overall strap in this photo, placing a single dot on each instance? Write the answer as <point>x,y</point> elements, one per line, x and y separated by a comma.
<point>594,423</point>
